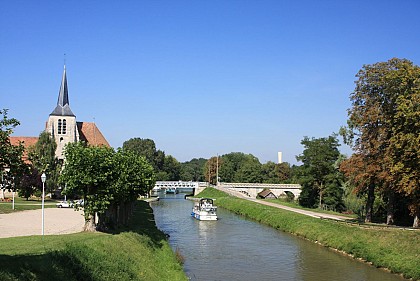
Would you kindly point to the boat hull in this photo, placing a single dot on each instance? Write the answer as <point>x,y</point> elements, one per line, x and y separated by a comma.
<point>204,216</point>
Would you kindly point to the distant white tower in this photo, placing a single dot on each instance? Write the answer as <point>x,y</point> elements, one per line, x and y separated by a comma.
<point>279,157</point>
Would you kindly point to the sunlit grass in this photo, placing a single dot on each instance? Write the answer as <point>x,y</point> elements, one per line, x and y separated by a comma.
<point>21,204</point>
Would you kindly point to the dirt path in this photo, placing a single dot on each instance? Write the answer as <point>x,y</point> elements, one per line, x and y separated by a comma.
<point>25,223</point>
<point>300,211</point>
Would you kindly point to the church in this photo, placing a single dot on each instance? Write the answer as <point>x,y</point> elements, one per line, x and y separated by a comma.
<point>63,126</point>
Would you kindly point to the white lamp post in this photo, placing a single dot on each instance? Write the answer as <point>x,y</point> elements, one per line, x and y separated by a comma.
<point>43,178</point>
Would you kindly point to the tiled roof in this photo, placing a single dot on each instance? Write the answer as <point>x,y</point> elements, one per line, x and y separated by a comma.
<point>26,142</point>
<point>265,193</point>
<point>89,132</point>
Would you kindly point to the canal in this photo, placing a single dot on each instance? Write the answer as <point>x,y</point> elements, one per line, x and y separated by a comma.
<point>235,248</point>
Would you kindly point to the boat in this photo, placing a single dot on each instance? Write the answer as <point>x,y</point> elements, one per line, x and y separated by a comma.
<point>171,191</point>
<point>204,210</point>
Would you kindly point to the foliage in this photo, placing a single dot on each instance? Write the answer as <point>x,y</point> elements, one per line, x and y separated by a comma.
<point>241,167</point>
<point>211,169</point>
<point>383,129</point>
<point>193,170</point>
<point>138,252</point>
<point>171,170</point>
<point>43,159</point>
<point>146,148</point>
<point>395,249</point>
<point>107,180</point>
<point>319,175</point>
<point>10,155</point>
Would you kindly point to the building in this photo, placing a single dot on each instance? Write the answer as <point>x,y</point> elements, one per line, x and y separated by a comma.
<point>63,126</point>
<point>266,194</point>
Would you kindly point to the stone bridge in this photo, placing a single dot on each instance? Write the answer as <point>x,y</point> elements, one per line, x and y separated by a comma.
<point>249,189</point>
<point>252,189</point>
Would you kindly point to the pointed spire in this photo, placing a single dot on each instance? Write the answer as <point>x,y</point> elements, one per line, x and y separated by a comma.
<point>63,105</point>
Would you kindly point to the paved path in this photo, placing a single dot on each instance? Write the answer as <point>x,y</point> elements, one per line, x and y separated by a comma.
<point>300,211</point>
<point>25,223</point>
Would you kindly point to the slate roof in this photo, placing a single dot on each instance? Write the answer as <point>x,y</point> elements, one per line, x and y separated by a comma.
<point>89,132</point>
<point>63,104</point>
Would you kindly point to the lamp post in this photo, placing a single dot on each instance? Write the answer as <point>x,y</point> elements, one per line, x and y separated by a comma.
<point>43,178</point>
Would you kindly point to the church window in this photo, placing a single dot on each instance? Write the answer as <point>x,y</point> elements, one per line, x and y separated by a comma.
<point>64,126</point>
<point>59,127</point>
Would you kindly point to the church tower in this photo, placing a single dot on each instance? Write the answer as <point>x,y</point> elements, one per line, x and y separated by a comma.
<point>61,123</point>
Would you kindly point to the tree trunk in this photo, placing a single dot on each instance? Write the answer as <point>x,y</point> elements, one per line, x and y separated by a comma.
<point>90,224</point>
<point>416,222</point>
<point>390,212</point>
<point>369,202</point>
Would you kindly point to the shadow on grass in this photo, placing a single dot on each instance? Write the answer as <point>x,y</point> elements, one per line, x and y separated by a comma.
<point>143,223</point>
<point>50,266</point>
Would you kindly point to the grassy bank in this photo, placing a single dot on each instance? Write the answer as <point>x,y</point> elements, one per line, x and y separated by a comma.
<point>140,252</point>
<point>395,249</point>
<point>21,204</point>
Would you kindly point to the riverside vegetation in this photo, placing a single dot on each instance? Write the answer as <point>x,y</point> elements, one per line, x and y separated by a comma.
<point>138,252</point>
<point>397,250</point>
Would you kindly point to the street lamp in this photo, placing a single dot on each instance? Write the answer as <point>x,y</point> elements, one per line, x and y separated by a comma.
<point>43,178</point>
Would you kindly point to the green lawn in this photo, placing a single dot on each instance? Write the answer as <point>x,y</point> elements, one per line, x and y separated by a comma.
<point>21,204</point>
<point>139,252</point>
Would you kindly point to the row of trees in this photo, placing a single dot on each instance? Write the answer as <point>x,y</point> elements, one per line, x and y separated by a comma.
<point>381,179</point>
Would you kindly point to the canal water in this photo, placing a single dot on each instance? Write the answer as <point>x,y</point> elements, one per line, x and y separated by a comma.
<point>235,248</point>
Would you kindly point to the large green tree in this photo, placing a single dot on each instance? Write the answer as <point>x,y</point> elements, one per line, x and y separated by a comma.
<point>383,131</point>
<point>319,176</point>
<point>193,170</point>
<point>146,148</point>
<point>43,159</point>
<point>108,181</point>
<point>12,167</point>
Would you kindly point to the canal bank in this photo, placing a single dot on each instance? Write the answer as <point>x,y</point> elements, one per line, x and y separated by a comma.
<point>393,249</point>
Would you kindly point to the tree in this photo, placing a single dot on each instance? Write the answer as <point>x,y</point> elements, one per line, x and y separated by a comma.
<point>89,171</point>
<point>43,159</point>
<point>275,173</point>
<point>171,168</point>
<point>146,148</point>
<point>12,167</point>
<point>240,167</point>
<point>319,175</point>
<point>193,170</point>
<point>108,181</point>
<point>211,169</point>
<point>382,126</point>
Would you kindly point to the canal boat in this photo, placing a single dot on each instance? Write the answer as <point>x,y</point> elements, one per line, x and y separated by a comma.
<point>204,210</point>
<point>171,191</point>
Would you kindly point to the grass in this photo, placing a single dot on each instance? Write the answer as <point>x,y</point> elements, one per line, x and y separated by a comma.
<point>395,249</point>
<point>138,252</point>
<point>297,206</point>
<point>21,204</point>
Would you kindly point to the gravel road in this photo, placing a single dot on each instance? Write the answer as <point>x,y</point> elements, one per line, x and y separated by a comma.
<point>26,223</point>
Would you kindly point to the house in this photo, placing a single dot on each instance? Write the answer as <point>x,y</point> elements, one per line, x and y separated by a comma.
<point>267,194</point>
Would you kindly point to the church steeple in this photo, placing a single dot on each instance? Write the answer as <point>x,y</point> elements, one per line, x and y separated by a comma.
<point>63,105</point>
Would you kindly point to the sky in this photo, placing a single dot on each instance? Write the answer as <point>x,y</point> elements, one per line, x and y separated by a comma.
<point>200,78</point>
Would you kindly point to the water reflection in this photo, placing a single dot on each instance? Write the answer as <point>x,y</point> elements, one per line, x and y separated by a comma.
<point>234,248</point>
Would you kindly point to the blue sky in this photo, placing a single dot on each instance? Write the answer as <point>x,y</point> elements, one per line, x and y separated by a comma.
<point>200,78</point>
